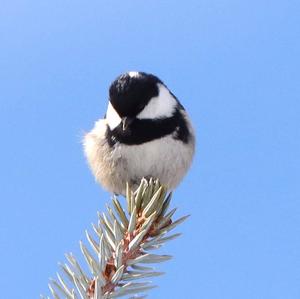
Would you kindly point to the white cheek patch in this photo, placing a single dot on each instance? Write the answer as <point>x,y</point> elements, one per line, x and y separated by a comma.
<point>159,107</point>
<point>112,117</point>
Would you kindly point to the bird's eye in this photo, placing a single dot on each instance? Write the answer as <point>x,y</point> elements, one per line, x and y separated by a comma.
<point>141,107</point>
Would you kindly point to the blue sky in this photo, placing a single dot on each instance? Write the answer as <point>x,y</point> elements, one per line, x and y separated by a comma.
<point>235,67</point>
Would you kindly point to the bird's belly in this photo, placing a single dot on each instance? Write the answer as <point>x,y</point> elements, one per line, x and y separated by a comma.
<point>165,158</point>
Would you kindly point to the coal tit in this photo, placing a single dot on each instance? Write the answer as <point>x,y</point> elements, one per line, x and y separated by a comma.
<point>145,133</point>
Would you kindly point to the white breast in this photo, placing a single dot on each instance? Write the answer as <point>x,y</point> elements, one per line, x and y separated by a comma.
<point>165,158</point>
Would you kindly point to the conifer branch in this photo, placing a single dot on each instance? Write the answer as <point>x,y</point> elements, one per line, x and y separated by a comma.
<point>124,240</point>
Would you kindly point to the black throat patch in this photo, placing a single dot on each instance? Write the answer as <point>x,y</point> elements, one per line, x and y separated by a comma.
<point>145,130</point>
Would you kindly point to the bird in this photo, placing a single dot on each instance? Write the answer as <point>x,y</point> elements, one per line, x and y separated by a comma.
<point>145,133</point>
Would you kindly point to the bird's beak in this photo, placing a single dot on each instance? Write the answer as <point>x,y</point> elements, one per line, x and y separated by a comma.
<point>126,121</point>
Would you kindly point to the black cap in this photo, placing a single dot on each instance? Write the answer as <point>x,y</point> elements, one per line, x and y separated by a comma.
<point>131,92</point>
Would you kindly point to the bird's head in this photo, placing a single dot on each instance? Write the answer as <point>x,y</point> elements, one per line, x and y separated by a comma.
<point>138,95</point>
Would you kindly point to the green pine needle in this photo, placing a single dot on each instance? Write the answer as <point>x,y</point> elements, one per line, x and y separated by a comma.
<point>117,257</point>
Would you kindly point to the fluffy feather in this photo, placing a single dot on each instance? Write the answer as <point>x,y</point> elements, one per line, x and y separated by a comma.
<point>167,157</point>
